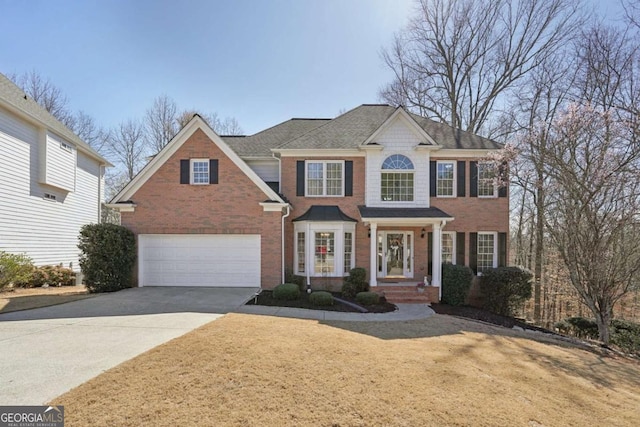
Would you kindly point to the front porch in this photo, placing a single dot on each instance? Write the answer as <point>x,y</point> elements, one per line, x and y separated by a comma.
<point>399,258</point>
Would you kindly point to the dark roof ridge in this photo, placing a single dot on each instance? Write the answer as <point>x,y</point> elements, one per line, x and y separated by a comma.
<point>309,118</point>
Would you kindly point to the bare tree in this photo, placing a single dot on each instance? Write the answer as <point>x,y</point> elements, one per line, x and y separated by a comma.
<point>457,60</point>
<point>594,169</point>
<point>127,146</point>
<point>161,122</point>
<point>45,93</point>
<point>86,128</point>
<point>227,126</point>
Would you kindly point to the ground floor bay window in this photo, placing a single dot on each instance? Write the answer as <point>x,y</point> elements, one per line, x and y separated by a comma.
<point>324,249</point>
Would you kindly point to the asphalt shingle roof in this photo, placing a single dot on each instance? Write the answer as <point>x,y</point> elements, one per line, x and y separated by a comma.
<point>366,212</point>
<point>347,131</point>
<point>261,143</point>
<point>324,213</point>
<point>16,98</point>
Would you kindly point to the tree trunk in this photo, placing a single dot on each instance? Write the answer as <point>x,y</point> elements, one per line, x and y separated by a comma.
<point>602,320</point>
<point>539,247</point>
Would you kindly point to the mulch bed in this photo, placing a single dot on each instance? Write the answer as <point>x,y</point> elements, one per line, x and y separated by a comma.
<point>485,316</point>
<point>266,298</point>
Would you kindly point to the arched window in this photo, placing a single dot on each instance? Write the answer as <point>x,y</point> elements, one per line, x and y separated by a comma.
<point>397,179</point>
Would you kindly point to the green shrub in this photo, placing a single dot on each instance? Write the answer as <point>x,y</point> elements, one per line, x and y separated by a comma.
<point>367,298</point>
<point>456,282</point>
<point>355,282</point>
<point>289,277</point>
<point>505,289</point>
<point>108,253</point>
<point>582,328</point>
<point>52,275</point>
<point>321,298</point>
<point>626,335</point>
<point>14,269</point>
<point>286,292</point>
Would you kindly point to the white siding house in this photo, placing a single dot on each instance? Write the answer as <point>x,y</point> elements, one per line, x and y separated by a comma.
<point>51,182</point>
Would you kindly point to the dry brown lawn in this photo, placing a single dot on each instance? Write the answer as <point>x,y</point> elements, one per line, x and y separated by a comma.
<point>245,370</point>
<point>24,299</point>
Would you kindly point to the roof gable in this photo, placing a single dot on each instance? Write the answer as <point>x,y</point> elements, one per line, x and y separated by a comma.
<point>170,149</point>
<point>404,119</point>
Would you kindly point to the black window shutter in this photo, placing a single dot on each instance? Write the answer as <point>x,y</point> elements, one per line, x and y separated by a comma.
<point>213,171</point>
<point>502,190</point>
<point>459,248</point>
<point>473,179</point>
<point>348,178</point>
<point>433,170</point>
<point>473,252</point>
<point>300,178</point>
<point>184,171</point>
<point>502,249</point>
<point>462,183</point>
<point>430,253</point>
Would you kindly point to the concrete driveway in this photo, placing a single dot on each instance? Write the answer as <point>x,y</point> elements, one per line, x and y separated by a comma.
<point>47,351</point>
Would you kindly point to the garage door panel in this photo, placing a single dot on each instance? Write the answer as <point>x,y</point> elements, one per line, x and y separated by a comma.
<point>199,260</point>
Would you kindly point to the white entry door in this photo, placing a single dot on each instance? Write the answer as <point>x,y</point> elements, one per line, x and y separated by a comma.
<point>395,254</point>
<point>216,260</point>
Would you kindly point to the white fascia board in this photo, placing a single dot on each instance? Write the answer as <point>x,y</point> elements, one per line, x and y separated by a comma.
<point>464,153</point>
<point>273,206</point>
<point>122,207</point>
<point>170,149</point>
<point>408,120</point>
<point>405,222</point>
<point>340,152</point>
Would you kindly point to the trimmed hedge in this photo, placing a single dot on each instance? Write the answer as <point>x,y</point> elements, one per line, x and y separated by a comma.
<point>107,257</point>
<point>15,269</point>
<point>355,283</point>
<point>286,292</point>
<point>367,298</point>
<point>321,298</point>
<point>505,289</point>
<point>456,282</point>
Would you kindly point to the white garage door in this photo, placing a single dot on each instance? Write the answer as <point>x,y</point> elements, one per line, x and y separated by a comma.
<point>220,260</point>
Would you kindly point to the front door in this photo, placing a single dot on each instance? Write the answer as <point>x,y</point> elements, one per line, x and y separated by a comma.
<point>395,254</point>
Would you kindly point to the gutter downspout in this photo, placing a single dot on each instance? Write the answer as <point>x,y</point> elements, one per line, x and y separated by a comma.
<point>282,247</point>
<point>444,222</point>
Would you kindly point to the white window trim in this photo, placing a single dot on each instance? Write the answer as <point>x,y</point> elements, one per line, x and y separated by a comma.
<point>324,178</point>
<point>495,186</point>
<point>495,247</point>
<point>455,179</point>
<point>310,228</point>
<point>66,147</point>
<point>411,172</point>
<point>453,246</point>
<point>191,171</point>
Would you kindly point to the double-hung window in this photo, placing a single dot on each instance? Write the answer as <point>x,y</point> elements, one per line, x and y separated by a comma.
<point>396,179</point>
<point>445,179</point>
<point>487,251</point>
<point>199,171</point>
<point>325,178</point>
<point>324,249</point>
<point>448,247</point>
<point>486,180</point>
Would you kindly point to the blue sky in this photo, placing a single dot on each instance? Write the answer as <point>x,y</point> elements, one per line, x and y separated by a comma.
<point>259,61</point>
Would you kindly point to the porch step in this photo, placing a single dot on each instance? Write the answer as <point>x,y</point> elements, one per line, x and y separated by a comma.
<point>407,294</point>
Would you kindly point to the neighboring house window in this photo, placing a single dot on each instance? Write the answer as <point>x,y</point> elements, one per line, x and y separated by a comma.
<point>348,251</point>
<point>324,253</point>
<point>445,179</point>
<point>397,179</point>
<point>325,178</point>
<point>329,246</point>
<point>199,171</point>
<point>486,181</point>
<point>301,253</point>
<point>66,147</point>
<point>487,251</point>
<point>449,247</point>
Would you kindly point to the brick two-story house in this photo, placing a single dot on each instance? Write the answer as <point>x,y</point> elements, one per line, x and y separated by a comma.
<point>376,187</point>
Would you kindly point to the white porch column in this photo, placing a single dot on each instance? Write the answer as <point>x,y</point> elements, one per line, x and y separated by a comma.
<point>436,277</point>
<point>373,254</point>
